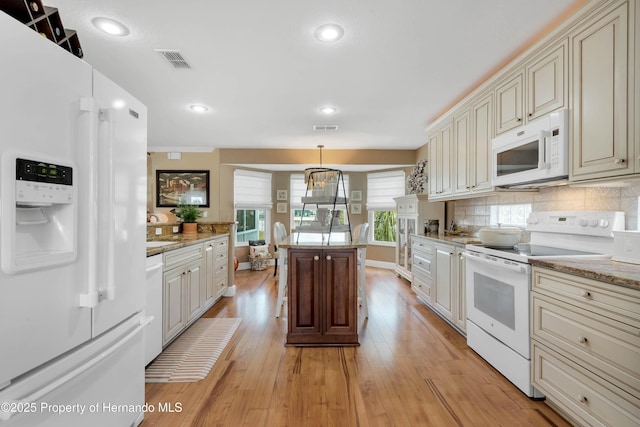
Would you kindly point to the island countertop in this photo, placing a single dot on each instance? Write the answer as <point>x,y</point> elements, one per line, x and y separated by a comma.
<point>317,241</point>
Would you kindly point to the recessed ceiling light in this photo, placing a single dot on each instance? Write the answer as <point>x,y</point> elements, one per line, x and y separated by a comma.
<point>328,110</point>
<point>110,26</point>
<point>329,33</point>
<point>118,104</point>
<point>199,108</point>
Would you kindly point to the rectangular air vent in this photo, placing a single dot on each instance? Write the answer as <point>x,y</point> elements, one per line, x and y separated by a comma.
<point>174,57</point>
<point>324,128</point>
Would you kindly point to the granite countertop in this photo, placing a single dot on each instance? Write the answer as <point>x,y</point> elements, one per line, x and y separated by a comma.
<point>180,240</point>
<point>315,241</point>
<point>604,270</point>
<point>456,240</point>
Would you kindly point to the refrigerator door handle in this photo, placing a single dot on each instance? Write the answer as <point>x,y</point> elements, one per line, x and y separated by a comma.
<point>106,217</point>
<point>34,397</point>
<point>88,157</point>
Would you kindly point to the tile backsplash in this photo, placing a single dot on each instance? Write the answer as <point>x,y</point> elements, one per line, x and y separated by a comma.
<point>472,214</point>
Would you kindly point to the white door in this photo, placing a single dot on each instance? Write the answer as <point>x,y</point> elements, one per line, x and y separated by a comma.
<point>122,192</point>
<point>40,317</point>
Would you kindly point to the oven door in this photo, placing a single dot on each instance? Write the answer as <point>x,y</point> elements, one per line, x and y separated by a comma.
<point>498,299</point>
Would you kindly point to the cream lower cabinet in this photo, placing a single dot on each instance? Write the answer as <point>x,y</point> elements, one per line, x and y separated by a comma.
<point>217,269</point>
<point>438,279</point>
<point>422,272</point>
<point>183,279</point>
<point>586,348</point>
<point>194,278</point>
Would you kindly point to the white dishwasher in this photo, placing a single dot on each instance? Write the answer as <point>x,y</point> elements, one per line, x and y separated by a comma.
<point>153,307</point>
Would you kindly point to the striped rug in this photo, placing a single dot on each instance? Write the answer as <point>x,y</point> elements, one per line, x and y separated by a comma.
<point>191,356</point>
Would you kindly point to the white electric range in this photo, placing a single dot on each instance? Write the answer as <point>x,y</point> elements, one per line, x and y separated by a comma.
<point>498,282</point>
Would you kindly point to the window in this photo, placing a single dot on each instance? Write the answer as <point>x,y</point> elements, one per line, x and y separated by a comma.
<point>510,214</point>
<point>382,187</point>
<point>298,190</point>
<point>252,203</point>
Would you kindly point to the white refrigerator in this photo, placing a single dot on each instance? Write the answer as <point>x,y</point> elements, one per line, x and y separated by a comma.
<point>72,231</point>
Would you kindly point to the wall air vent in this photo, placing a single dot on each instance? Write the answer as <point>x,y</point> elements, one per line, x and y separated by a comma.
<point>325,128</point>
<point>174,57</point>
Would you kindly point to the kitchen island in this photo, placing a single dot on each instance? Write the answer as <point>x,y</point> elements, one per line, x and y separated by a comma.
<point>322,289</point>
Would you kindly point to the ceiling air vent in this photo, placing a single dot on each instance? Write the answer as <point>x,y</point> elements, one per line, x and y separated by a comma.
<point>174,57</point>
<point>324,128</point>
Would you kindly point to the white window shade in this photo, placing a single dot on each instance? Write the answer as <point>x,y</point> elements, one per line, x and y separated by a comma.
<point>251,189</point>
<point>382,187</point>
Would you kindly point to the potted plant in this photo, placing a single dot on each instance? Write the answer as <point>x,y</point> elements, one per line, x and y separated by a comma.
<point>189,214</point>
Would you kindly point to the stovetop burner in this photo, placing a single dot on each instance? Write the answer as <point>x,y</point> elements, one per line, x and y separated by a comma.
<point>529,250</point>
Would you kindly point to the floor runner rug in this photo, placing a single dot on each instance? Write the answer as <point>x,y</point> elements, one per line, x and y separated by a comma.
<point>190,357</point>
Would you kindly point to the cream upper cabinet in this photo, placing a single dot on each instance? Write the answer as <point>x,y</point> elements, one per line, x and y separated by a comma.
<point>472,133</point>
<point>538,88</point>
<point>463,157</point>
<point>546,81</point>
<point>473,130</point>
<point>602,115</point>
<point>509,103</point>
<point>440,182</point>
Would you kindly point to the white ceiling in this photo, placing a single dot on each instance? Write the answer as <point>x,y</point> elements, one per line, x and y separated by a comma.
<point>263,75</point>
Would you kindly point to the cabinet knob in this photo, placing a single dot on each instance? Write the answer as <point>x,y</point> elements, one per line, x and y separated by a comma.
<point>582,399</point>
<point>530,114</point>
<point>328,257</point>
<point>586,294</point>
<point>582,340</point>
<point>316,258</point>
<point>619,161</point>
<point>519,119</point>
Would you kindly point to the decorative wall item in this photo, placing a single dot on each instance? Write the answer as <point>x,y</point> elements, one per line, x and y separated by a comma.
<point>281,208</point>
<point>417,180</point>
<point>356,195</point>
<point>182,186</point>
<point>356,208</point>
<point>281,194</point>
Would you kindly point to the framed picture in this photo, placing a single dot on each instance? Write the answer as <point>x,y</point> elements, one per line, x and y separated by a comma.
<point>356,208</point>
<point>281,194</point>
<point>281,208</point>
<point>356,195</point>
<point>182,186</point>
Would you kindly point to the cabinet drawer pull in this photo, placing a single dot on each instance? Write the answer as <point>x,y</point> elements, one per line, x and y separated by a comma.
<point>619,161</point>
<point>582,340</point>
<point>582,399</point>
<point>316,258</point>
<point>328,257</point>
<point>586,294</point>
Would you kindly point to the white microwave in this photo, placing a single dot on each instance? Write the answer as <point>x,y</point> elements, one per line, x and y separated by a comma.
<point>533,155</point>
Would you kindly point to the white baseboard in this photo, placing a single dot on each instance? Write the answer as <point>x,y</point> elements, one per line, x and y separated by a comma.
<point>380,264</point>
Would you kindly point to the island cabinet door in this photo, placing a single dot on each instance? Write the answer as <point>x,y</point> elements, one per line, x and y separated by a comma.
<point>340,295</point>
<point>305,272</point>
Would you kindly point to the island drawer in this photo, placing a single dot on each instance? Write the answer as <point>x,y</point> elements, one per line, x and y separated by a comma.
<point>179,257</point>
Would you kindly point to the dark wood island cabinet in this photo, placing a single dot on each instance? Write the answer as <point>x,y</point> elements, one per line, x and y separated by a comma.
<point>322,299</point>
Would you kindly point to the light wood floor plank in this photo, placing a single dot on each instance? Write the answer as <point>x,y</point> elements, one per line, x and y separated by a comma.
<point>412,369</point>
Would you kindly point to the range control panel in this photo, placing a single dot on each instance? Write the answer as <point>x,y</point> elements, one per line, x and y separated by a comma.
<point>590,223</point>
<point>40,183</point>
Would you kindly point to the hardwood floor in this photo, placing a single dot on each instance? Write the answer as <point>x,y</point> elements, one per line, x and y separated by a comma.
<point>412,369</point>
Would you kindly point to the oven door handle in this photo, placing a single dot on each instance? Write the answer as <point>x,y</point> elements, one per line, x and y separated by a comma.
<point>518,268</point>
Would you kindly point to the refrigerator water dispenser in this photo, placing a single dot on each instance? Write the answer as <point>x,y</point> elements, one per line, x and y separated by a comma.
<point>38,221</point>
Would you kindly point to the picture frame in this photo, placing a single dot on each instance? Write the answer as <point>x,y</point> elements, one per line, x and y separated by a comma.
<point>182,186</point>
<point>281,194</point>
<point>281,208</point>
<point>356,208</point>
<point>356,195</point>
